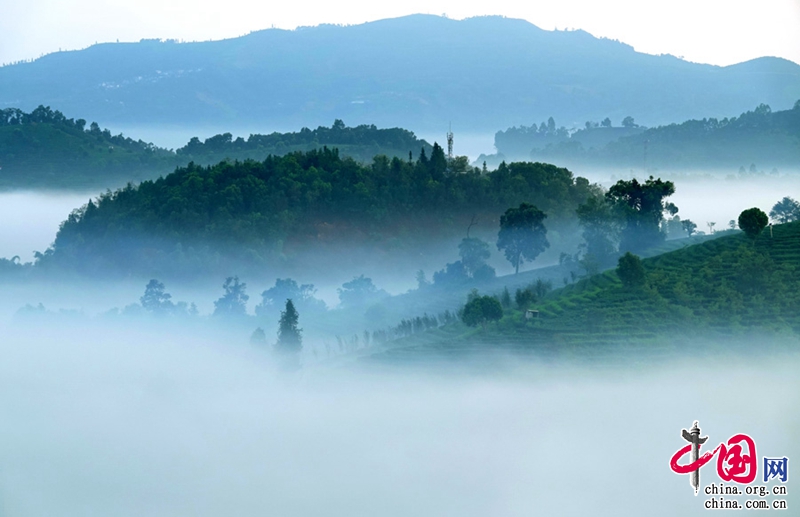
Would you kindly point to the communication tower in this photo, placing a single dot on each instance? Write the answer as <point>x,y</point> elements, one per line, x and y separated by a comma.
<point>450,143</point>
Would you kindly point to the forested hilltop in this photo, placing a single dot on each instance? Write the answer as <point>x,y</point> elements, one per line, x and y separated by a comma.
<point>361,143</point>
<point>45,149</point>
<point>261,212</point>
<point>770,139</point>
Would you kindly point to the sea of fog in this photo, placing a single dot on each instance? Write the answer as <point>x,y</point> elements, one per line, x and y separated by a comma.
<point>30,220</point>
<point>103,421</point>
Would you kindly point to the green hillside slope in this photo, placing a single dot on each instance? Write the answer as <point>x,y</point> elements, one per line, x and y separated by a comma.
<point>45,149</point>
<point>729,287</point>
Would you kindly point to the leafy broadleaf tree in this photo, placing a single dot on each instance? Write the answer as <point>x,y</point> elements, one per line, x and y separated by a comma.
<point>359,291</point>
<point>532,293</point>
<point>522,235</point>
<point>234,301</point>
<point>689,226</point>
<point>481,309</point>
<point>641,207</point>
<point>286,288</point>
<point>474,253</point>
<point>601,229</point>
<point>524,298</point>
<point>454,273</point>
<point>785,211</point>
<point>484,273</point>
<point>631,271</point>
<point>155,299</point>
<point>752,221</point>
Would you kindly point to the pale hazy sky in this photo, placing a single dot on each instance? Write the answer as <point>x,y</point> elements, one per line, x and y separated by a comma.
<point>709,31</point>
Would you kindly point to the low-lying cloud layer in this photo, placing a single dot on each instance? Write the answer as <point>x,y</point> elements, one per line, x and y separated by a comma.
<point>103,421</point>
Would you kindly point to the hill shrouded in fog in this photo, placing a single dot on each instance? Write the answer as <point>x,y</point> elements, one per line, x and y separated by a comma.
<point>45,149</point>
<point>417,71</point>
<point>760,136</point>
<point>325,319</point>
<point>727,288</point>
<point>262,212</point>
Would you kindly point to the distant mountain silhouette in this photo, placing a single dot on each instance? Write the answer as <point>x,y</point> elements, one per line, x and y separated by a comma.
<point>761,136</point>
<point>420,72</point>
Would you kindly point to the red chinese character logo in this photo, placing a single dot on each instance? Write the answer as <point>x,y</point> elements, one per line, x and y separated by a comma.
<point>737,460</point>
<point>736,463</point>
<point>695,465</point>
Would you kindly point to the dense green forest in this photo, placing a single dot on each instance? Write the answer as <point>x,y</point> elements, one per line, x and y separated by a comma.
<point>45,149</point>
<point>770,139</point>
<point>361,143</point>
<point>260,211</point>
<point>724,289</point>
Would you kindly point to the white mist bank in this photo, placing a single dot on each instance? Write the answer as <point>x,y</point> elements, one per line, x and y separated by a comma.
<point>30,220</point>
<point>102,422</point>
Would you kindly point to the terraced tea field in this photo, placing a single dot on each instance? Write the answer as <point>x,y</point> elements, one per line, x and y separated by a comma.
<point>728,289</point>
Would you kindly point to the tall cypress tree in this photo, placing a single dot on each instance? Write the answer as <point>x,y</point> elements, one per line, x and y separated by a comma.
<point>289,340</point>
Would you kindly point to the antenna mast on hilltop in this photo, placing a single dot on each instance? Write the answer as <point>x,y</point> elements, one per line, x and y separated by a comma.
<point>450,143</point>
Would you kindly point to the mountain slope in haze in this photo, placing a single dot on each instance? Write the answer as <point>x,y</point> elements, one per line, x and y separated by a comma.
<point>418,71</point>
<point>45,149</point>
<point>729,289</point>
<point>362,143</point>
<point>770,139</point>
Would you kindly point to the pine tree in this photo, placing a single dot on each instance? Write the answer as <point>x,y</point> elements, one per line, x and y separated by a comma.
<point>289,339</point>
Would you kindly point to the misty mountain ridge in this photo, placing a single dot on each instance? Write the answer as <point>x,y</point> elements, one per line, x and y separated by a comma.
<point>417,71</point>
<point>771,139</point>
<point>45,149</point>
